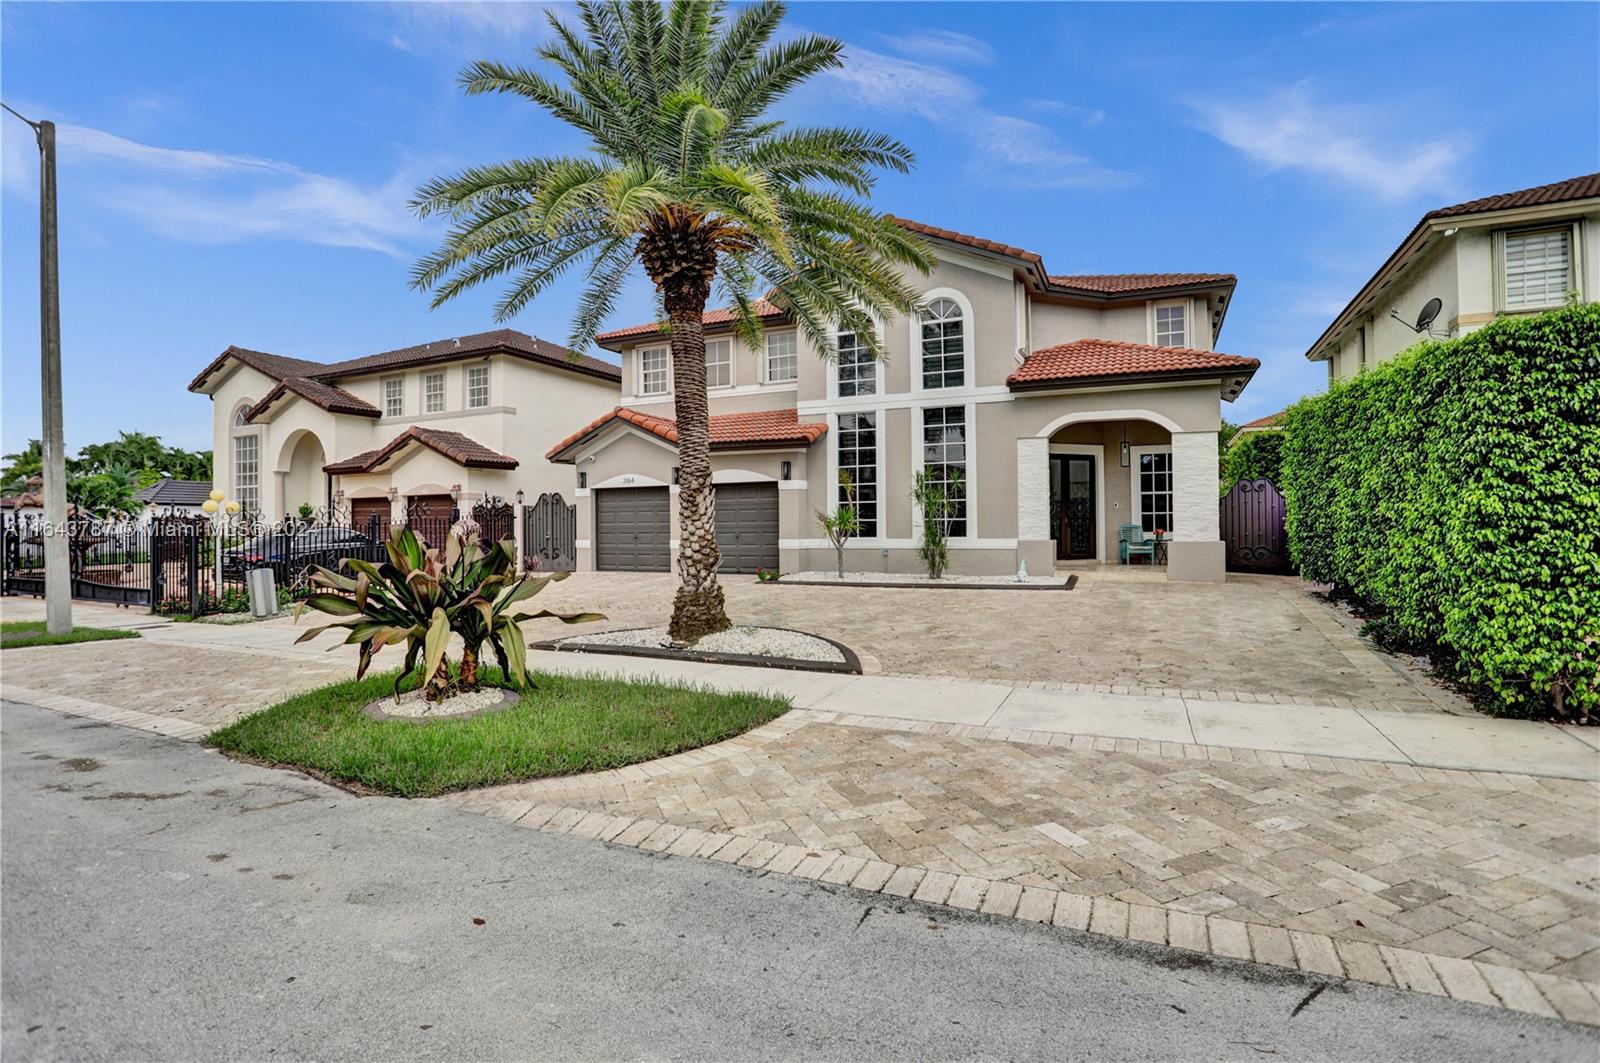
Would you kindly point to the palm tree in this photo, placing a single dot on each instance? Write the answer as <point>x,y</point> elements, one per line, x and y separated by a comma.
<point>688,175</point>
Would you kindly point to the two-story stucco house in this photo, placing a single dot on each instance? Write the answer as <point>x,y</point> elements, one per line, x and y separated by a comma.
<point>1513,253</point>
<point>1069,406</point>
<point>415,430</point>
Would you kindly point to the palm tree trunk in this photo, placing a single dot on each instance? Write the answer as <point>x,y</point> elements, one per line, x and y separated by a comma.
<point>697,607</point>
<point>469,668</point>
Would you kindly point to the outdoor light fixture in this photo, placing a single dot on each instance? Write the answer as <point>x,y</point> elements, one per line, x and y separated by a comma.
<point>784,469</point>
<point>519,496</point>
<point>674,474</point>
<point>1127,452</point>
<point>583,480</point>
<point>455,492</point>
<point>394,493</point>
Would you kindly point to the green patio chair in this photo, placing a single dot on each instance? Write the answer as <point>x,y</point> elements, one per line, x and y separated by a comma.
<point>1132,543</point>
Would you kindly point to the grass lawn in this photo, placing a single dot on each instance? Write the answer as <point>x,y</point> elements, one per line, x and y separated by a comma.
<point>15,634</point>
<point>568,724</point>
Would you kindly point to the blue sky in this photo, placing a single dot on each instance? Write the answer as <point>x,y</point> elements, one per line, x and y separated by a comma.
<point>238,173</point>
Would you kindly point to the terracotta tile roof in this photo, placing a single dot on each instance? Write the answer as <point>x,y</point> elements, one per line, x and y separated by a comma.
<point>461,449</point>
<point>1131,283</point>
<point>967,240</point>
<point>721,316</point>
<point>1268,421</point>
<point>1585,187</point>
<point>500,341</point>
<point>756,428</point>
<point>330,398</point>
<point>1092,361</point>
<point>1573,188</point>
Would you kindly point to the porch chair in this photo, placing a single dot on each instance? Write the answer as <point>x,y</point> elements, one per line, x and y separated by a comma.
<point>1131,542</point>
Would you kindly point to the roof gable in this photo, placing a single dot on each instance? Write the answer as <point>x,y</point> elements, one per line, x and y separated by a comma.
<point>1096,362</point>
<point>459,448</point>
<point>759,428</point>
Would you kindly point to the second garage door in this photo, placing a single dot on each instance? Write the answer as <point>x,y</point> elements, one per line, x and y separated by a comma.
<point>631,529</point>
<point>747,526</point>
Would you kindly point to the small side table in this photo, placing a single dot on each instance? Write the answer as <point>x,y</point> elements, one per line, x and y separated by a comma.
<point>1158,554</point>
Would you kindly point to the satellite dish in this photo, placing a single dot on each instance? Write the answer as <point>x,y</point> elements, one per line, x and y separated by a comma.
<point>1430,310</point>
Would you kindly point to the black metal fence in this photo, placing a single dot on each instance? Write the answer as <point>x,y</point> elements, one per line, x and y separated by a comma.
<point>194,565</point>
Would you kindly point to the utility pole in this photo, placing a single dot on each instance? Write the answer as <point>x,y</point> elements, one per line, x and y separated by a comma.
<point>57,574</point>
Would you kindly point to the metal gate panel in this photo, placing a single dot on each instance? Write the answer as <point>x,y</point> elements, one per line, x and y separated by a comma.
<point>747,526</point>
<point>632,526</point>
<point>1252,518</point>
<point>550,535</point>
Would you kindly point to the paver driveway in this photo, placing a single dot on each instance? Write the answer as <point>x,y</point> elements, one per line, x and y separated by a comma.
<point>1261,635</point>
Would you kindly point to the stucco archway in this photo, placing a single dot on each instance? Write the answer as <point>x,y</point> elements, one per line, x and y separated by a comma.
<point>299,469</point>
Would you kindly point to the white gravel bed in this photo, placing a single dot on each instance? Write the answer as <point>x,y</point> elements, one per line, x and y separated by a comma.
<point>917,579</point>
<point>413,705</point>
<point>751,641</point>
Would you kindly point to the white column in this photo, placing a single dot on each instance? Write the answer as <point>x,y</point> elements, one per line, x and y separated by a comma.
<point>1194,487</point>
<point>1033,488</point>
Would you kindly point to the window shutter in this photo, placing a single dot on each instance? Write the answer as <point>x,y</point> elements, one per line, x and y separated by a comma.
<point>1538,268</point>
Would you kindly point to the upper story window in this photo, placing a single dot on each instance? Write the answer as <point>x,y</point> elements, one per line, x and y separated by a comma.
<point>394,397</point>
<point>783,357</point>
<point>477,387</point>
<point>655,368</point>
<point>239,419</point>
<point>858,370</point>
<point>1538,268</point>
<point>1172,325</point>
<point>943,344</point>
<point>433,393</point>
<point>719,363</point>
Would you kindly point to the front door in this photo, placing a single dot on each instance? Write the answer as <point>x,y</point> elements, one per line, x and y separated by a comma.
<point>1072,505</point>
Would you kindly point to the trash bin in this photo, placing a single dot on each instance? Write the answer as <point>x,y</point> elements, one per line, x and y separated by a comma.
<point>263,593</point>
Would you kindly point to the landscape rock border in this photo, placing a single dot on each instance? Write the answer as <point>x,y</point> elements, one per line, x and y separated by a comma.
<point>851,665</point>
<point>508,697</point>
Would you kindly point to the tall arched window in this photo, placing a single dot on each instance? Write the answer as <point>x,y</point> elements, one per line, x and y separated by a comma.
<point>246,462</point>
<point>943,344</point>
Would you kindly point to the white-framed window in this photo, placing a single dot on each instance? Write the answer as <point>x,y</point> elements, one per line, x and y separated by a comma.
<point>394,397</point>
<point>1172,326</point>
<point>433,392</point>
<point>247,472</point>
<point>655,370</point>
<point>944,456</point>
<point>858,458</point>
<point>239,418</point>
<point>943,344</point>
<point>1152,488</point>
<point>477,387</point>
<point>1361,348</point>
<point>858,370</point>
<point>719,363</point>
<point>1537,268</point>
<point>783,357</point>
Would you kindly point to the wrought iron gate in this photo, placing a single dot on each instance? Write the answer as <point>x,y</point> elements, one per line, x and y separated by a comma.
<point>1252,517</point>
<point>108,560</point>
<point>550,535</point>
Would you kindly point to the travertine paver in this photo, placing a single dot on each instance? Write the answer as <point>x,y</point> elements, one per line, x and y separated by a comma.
<point>1254,635</point>
<point>1296,866</point>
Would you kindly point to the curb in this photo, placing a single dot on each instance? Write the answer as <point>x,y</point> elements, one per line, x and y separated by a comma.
<point>1534,993</point>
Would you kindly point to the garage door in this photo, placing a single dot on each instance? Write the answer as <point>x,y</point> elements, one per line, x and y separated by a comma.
<point>747,526</point>
<point>371,516</point>
<point>631,529</point>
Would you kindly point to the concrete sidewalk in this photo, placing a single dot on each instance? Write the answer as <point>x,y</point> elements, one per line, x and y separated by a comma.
<point>999,710</point>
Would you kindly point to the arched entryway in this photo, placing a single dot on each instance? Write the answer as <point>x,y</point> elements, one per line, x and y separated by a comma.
<point>300,476</point>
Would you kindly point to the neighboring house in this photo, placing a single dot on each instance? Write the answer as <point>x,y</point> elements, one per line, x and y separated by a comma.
<point>1272,422</point>
<point>172,498</point>
<point>416,430</point>
<point>1069,405</point>
<point>30,503</point>
<point>1514,253</point>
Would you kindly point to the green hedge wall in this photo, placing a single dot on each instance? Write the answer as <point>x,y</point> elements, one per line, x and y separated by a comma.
<point>1457,488</point>
<point>1257,455</point>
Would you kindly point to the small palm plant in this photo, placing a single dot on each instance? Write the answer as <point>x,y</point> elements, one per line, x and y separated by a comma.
<point>935,493</point>
<point>686,173</point>
<point>844,523</point>
<point>422,596</point>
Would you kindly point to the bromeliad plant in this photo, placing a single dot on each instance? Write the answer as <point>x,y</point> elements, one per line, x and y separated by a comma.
<point>421,596</point>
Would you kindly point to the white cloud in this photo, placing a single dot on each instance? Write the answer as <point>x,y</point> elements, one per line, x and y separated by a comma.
<point>479,26</point>
<point>1006,147</point>
<point>938,46</point>
<point>211,197</point>
<point>1290,130</point>
<point>1088,117</point>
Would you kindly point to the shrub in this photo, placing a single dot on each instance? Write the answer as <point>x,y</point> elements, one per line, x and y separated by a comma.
<point>1258,455</point>
<point>937,505</point>
<point>1456,489</point>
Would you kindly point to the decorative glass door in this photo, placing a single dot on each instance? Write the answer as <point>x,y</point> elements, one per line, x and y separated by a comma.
<point>1072,505</point>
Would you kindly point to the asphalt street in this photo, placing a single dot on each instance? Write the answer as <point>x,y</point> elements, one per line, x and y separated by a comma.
<point>163,902</point>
